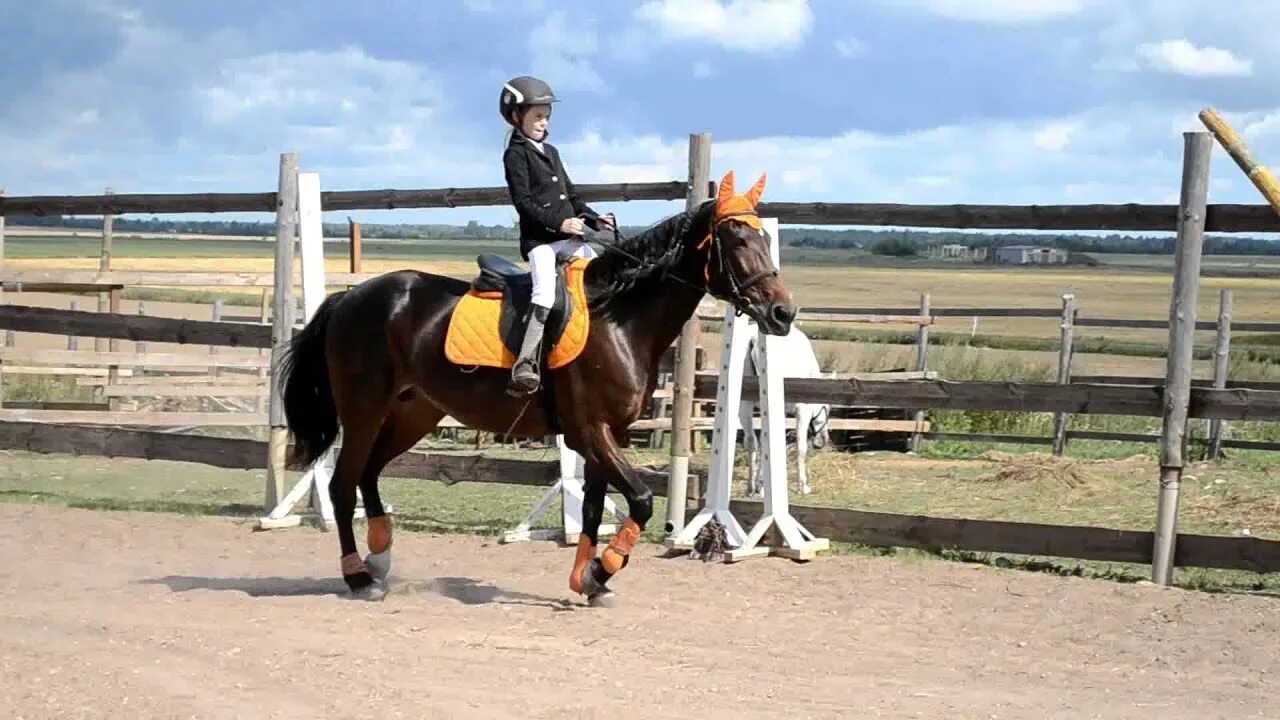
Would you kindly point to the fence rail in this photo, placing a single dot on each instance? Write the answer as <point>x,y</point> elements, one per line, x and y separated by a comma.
<point>24,318</point>
<point>246,454</point>
<point>1219,218</point>
<point>1139,400</point>
<point>160,203</point>
<point>99,281</point>
<point>1022,538</point>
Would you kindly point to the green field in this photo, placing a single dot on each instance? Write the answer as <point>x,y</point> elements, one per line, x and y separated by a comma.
<point>1213,265</point>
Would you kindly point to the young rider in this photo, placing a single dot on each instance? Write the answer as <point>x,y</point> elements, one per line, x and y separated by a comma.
<point>552,215</point>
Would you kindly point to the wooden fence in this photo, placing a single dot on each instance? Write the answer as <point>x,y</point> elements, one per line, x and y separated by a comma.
<point>1175,399</point>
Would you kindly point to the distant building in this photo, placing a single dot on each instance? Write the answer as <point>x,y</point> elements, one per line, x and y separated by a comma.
<point>956,251</point>
<point>1031,255</point>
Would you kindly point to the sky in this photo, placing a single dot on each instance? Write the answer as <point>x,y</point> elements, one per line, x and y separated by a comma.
<point>914,101</point>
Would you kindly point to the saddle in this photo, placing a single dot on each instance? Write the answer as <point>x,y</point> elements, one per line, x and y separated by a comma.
<point>487,325</point>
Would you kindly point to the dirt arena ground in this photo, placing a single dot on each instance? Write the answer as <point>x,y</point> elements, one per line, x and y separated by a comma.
<point>142,615</point>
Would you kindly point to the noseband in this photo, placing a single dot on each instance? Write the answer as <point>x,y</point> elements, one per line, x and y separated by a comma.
<point>736,287</point>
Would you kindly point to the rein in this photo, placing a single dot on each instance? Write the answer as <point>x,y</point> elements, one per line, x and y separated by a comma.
<point>711,241</point>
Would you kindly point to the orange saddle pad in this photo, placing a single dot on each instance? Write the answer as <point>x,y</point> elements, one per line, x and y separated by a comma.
<point>474,336</point>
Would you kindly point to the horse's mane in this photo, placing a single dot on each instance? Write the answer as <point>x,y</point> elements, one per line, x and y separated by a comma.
<point>616,280</point>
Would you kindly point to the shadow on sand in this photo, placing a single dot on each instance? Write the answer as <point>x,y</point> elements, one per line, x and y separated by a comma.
<point>253,586</point>
<point>467,591</point>
<point>470,591</point>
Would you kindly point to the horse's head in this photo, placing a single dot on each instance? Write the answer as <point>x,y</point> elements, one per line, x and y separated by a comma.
<point>739,268</point>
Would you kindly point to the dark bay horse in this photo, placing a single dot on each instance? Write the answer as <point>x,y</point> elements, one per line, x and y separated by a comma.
<point>372,360</point>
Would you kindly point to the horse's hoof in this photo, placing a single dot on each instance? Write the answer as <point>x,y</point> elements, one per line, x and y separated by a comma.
<point>371,593</point>
<point>378,565</point>
<point>603,599</point>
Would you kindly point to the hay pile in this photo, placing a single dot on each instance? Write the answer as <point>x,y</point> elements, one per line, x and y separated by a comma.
<point>1030,467</point>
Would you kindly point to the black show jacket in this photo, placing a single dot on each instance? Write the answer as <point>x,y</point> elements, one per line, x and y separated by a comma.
<point>543,194</point>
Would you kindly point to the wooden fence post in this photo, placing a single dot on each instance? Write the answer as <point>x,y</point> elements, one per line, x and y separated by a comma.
<point>922,362</point>
<point>264,314</point>
<point>1060,420</point>
<point>140,346</point>
<point>104,264</point>
<point>1221,358</point>
<point>73,341</point>
<point>216,316</point>
<point>282,323</point>
<point>1182,326</point>
<point>686,355</point>
<point>357,252</point>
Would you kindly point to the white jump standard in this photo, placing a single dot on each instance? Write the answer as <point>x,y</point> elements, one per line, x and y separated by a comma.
<point>797,542</point>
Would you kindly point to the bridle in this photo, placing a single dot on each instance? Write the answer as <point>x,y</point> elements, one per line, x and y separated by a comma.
<point>736,286</point>
<point>714,249</point>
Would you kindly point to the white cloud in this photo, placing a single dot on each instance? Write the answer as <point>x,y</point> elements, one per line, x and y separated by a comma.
<point>323,98</point>
<point>850,47</point>
<point>1105,155</point>
<point>562,49</point>
<point>166,113</point>
<point>1232,39</point>
<point>1054,136</point>
<point>747,25</point>
<point>1000,12</point>
<point>1180,57</point>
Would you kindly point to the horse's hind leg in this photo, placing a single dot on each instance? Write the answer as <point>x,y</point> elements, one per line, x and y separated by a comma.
<point>357,441</point>
<point>407,422</point>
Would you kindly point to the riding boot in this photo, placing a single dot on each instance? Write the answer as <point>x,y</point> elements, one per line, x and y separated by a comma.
<point>524,374</point>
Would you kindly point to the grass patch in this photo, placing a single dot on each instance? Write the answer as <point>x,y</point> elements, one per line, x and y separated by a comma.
<point>48,388</point>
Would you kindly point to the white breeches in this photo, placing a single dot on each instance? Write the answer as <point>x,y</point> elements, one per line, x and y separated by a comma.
<point>542,265</point>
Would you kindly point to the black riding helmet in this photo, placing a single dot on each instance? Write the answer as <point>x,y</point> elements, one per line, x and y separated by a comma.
<point>523,91</point>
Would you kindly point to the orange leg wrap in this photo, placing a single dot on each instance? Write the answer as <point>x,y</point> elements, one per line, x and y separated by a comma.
<point>379,534</point>
<point>615,555</point>
<point>586,553</point>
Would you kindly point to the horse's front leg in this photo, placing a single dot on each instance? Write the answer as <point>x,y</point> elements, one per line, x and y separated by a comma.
<point>604,466</point>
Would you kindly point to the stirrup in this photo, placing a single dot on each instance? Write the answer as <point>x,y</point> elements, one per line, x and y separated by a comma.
<point>523,383</point>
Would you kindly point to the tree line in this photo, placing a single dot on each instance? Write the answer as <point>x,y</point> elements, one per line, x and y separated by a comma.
<point>885,242</point>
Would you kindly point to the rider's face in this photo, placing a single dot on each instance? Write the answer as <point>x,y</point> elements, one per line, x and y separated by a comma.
<point>535,122</point>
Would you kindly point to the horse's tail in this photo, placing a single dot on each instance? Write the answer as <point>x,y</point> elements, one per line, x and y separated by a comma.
<point>308,398</point>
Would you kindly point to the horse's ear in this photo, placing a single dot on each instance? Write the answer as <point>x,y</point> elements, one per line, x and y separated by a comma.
<point>726,192</point>
<point>757,190</point>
